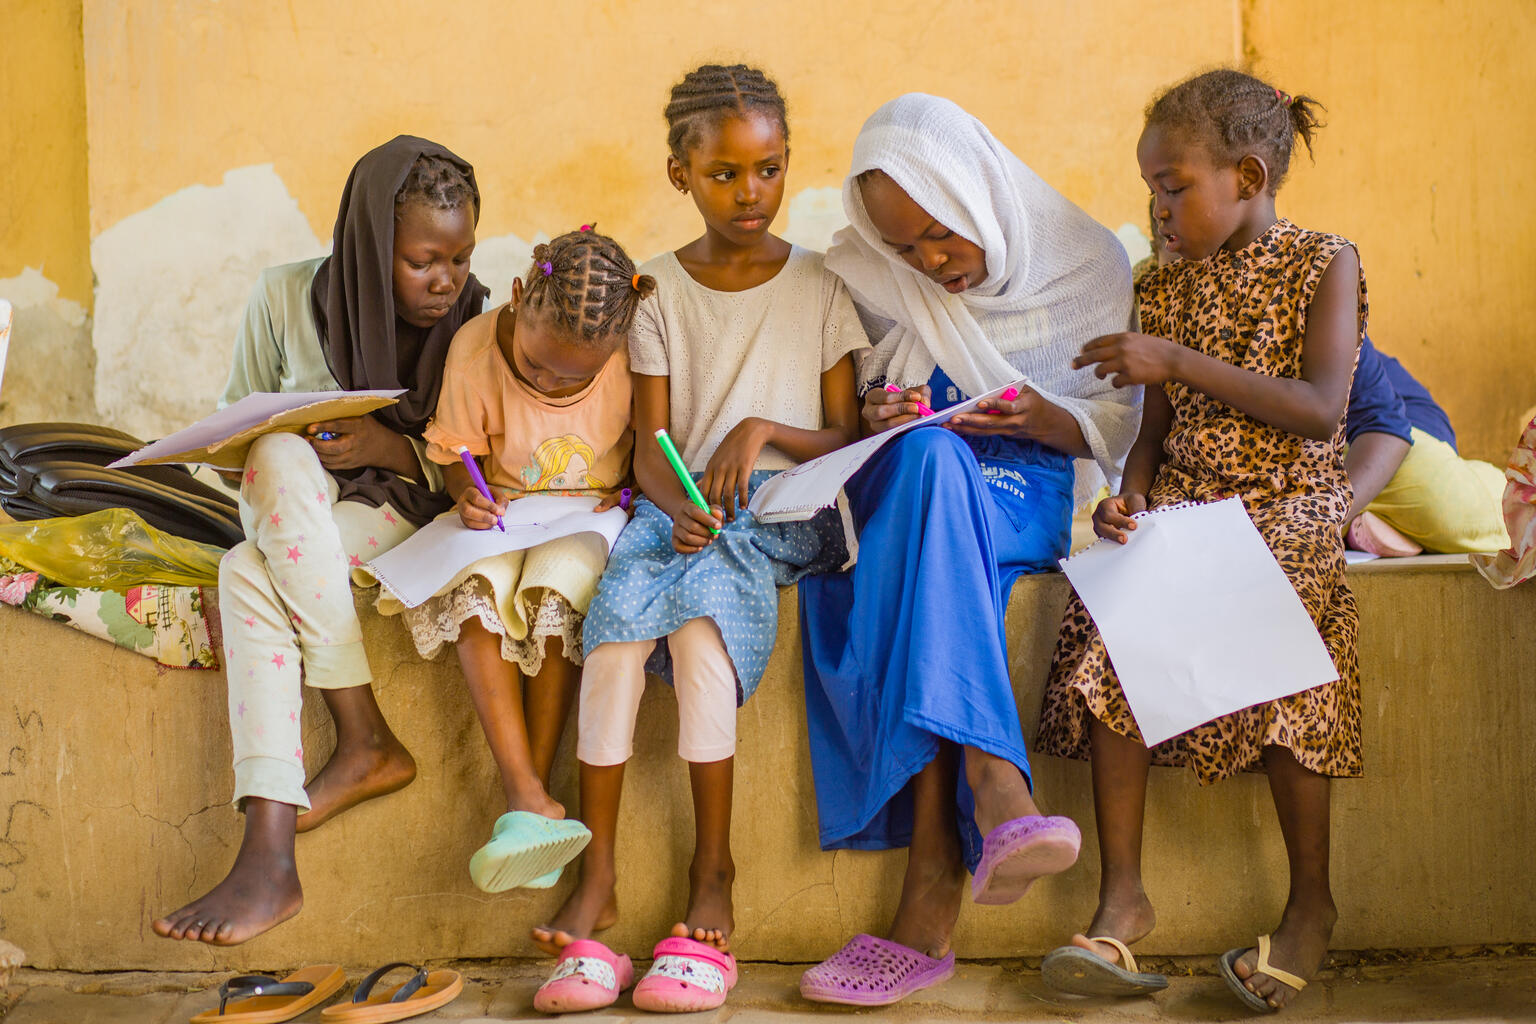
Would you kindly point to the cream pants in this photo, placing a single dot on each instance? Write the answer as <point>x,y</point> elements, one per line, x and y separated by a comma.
<point>613,678</point>
<point>285,598</point>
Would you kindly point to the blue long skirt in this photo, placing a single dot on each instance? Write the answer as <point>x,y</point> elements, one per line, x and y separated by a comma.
<point>908,648</point>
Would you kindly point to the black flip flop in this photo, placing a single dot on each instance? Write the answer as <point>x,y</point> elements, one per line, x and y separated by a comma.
<point>1227,965</point>
<point>1078,972</point>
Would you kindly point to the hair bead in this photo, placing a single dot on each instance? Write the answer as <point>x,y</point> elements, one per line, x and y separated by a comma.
<point>578,281</point>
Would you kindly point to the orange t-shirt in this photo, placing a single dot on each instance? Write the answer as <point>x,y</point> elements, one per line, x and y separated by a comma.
<point>578,445</point>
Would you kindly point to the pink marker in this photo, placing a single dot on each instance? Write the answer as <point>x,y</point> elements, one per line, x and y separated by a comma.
<point>1007,396</point>
<point>921,408</point>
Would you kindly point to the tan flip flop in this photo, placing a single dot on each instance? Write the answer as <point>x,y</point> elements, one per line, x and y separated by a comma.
<point>1079,972</point>
<point>1253,1000</point>
<point>260,999</point>
<point>423,992</point>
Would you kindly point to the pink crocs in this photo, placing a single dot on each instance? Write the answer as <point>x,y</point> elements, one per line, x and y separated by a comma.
<point>1017,852</point>
<point>588,976</point>
<point>873,972</point>
<point>686,976</point>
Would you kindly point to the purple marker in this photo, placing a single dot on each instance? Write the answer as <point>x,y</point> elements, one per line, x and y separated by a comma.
<point>624,498</point>
<point>475,475</point>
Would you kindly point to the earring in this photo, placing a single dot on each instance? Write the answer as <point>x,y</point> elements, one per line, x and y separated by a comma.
<point>683,189</point>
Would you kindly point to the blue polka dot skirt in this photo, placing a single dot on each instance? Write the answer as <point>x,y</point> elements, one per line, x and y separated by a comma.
<point>649,590</point>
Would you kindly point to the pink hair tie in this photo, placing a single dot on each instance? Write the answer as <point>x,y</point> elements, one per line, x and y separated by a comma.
<point>548,268</point>
<point>588,227</point>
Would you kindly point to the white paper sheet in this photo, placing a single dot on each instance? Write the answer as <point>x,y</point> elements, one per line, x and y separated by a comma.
<point>1198,617</point>
<point>241,420</point>
<point>429,559</point>
<point>800,492</point>
<point>5,336</point>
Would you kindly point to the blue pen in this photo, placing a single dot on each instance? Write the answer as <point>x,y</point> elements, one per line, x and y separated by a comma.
<point>474,474</point>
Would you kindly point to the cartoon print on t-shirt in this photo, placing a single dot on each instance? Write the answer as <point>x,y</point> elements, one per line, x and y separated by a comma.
<point>564,465</point>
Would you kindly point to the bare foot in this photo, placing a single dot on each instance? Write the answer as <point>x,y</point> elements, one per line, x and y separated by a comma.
<point>1126,916</point>
<point>529,795</point>
<point>590,908</point>
<point>1298,946</point>
<point>711,914</point>
<point>930,905</point>
<point>999,788</point>
<point>260,892</point>
<point>355,773</point>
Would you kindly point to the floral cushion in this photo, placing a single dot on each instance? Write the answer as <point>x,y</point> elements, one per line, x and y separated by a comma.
<point>169,624</point>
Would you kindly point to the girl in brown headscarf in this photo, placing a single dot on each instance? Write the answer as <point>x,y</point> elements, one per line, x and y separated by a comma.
<point>379,312</point>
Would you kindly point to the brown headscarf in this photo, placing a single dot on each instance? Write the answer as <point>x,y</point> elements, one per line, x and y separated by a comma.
<point>366,345</point>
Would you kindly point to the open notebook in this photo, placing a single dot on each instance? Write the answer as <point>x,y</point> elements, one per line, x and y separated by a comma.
<point>430,558</point>
<point>224,439</point>
<point>801,492</point>
<point>1198,617</point>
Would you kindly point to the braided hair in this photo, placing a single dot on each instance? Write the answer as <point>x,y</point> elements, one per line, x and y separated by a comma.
<point>587,283</point>
<point>708,93</point>
<point>1233,114</point>
<point>438,184</point>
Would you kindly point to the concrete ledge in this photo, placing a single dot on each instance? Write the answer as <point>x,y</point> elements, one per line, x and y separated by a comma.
<point>114,788</point>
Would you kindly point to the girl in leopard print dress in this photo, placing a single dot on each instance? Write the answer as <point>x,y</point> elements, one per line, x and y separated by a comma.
<point>1248,347</point>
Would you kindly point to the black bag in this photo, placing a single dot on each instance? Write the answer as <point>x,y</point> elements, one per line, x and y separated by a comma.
<point>59,469</point>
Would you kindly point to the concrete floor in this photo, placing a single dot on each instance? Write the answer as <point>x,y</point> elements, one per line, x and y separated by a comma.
<point>1487,987</point>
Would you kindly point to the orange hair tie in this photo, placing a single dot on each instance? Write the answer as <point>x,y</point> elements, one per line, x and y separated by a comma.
<point>634,282</point>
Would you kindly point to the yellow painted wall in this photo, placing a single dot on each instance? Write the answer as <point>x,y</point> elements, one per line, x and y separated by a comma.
<point>1432,125</point>
<point>43,197</point>
<point>1432,108</point>
<point>559,105</point>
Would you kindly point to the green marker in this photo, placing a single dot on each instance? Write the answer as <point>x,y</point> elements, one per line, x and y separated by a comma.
<point>670,451</point>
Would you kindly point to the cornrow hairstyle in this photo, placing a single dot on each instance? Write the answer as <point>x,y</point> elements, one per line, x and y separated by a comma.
<point>588,284</point>
<point>1233,114</point>
<point>439,184</point>
<point>713,91</point>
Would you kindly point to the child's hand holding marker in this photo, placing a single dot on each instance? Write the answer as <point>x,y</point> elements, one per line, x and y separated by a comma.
<point>478,508</point>
<point>694,523</point>
<point>1112,516</point>
<point>890,406</point>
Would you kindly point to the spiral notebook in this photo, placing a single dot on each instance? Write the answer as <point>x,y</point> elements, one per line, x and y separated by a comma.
<point>1198,618</point>
<point>804,490</point>
<point>438,553</point>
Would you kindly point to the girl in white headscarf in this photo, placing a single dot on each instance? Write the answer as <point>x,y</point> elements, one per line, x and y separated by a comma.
<point>971,273</point>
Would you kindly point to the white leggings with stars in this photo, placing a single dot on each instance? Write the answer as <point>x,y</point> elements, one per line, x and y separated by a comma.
<point>285,598</point>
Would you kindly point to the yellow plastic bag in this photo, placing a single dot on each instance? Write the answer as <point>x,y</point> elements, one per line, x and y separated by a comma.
<point>112,548</point>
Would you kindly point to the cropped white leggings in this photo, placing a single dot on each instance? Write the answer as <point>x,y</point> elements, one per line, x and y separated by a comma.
<point>613,678</point>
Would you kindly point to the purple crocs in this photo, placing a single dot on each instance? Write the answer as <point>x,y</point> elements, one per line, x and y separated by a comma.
<point>1017,852</point>
<point>873,972</point>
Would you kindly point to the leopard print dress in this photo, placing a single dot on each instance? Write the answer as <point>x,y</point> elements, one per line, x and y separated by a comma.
<point>1247,308</point>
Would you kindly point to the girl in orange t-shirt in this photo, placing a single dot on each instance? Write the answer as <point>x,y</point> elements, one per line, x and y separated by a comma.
<point>539,390</point>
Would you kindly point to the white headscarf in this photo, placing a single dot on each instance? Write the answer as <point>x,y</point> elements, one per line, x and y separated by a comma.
<point>1055,277</point>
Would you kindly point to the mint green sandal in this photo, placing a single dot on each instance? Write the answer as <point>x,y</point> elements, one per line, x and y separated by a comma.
<point>526,848</point>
